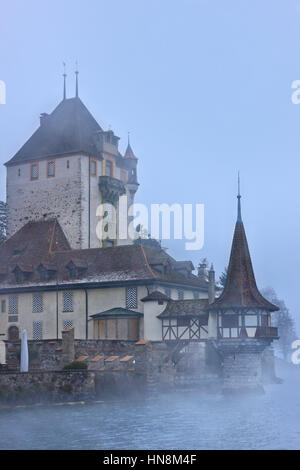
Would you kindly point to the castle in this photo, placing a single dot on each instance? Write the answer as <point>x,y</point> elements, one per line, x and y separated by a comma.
<point>56,274</point>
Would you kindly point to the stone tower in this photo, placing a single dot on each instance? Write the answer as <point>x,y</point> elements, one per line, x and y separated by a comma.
<point>242,318</point>
<point>67,168</point>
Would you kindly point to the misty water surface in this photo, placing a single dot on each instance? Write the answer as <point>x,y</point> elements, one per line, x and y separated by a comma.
<point>182,420</point>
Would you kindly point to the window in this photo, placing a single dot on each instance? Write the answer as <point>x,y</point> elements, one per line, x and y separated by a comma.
<point>124,176</point>
<point>196,295</point>
<point>131,297</point>
<point>109,168</point>
<point>3,306</point>
<point>51,169</point>
<point>37,330</point>
<point>68,302</point>
<point>19,172</point>
<point>68,164</point>
<point>13,304</point>
<point>168,291</point>
<point>37,303</point>
<point>67,324</point>
<point>45,274</point>
<point>230,321</point>
<point>180,294</point>
<point>34,171</point>
<point>13,319</point>
<point>21,275</point>
<point>182,321</point>
<point>93,168</point>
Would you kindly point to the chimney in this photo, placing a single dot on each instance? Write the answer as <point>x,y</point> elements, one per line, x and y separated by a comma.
<point>202,271</point>
<point>211,285</point>
<point>43,118</point>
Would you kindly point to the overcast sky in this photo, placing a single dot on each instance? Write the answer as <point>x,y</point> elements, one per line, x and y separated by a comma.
<point>203,86</point>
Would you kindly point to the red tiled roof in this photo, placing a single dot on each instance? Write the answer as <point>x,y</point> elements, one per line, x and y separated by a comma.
<point>44,243</point>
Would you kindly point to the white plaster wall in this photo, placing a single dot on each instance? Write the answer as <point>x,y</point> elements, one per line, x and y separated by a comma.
<point>152,324</point>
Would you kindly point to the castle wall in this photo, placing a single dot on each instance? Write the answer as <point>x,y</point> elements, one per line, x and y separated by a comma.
<point>47,197</point>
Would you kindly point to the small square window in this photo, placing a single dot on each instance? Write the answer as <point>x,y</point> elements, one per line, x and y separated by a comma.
<point>3,306</point>
<point>67,324</point>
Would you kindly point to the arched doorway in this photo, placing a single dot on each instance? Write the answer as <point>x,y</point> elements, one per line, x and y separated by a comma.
<point>13,333</point>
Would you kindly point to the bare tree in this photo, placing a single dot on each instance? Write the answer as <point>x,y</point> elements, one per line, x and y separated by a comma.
<point>223,277</point>
<point>284,322</point>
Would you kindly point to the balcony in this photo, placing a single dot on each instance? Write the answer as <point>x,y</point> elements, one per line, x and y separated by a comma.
<point>111,189</point>
<point>266,332</point>
<point>248,332</point>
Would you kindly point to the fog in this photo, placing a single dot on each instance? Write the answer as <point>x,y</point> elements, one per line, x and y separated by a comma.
<point>205,89</point>
<point>178,420</point>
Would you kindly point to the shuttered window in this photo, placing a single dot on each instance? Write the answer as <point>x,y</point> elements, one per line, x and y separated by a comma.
<point>37,330</point>
<point>37,303</point>
<point>68,302</point>
<point>67,324</point>
<point>13,304</point>
<point>131,297</point>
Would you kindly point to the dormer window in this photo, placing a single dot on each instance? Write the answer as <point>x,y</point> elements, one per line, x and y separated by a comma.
<point>76,269</point>
<point>51,169</point>
<point>22,273</point>
<point>46,273</point>
<point>34,171</point>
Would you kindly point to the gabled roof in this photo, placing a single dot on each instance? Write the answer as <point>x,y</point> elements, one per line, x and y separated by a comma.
<point>69,129</point>
<point>155,295</point>
<point>240,289</point>
<point>185,308</point>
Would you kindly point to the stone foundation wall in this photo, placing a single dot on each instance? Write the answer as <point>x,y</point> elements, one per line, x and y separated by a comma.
<point>42,386</point>
<point>18,388</point>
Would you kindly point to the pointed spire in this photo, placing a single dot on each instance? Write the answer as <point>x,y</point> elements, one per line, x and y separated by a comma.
<point>239,212</point>
<point>65,76</point>
<point>76,73</point>
<point>241,290</point>
<point>129,152</point>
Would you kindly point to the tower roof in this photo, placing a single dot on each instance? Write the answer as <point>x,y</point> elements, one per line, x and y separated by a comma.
<point>240,289</point>
<point>68,129</point>
<point>129,152</point>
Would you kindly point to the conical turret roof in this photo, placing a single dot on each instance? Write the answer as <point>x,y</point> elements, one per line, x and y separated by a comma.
<point>240,289</point>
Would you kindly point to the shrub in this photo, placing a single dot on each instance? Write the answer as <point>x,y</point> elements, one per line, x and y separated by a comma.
<point>76,365</point>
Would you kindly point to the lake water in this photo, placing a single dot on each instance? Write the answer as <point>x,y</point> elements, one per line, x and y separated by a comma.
<point>181,420</point>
